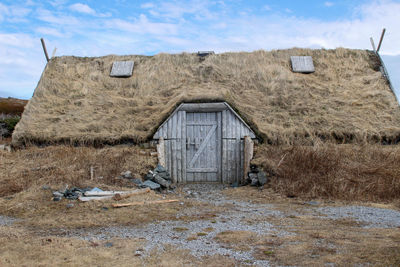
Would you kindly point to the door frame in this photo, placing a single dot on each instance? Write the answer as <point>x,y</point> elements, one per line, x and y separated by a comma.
<point>178,142</point>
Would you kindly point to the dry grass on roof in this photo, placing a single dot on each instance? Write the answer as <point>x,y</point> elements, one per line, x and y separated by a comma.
<point>345,100</point>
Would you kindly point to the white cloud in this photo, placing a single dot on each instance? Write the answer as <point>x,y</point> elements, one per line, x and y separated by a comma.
<point>19,40</point>
<point>199,9</point>
<point>147,5</point>
<point>58,3</point>
<point>54,18</point>
<point>13,13</point>
<point>49,31</point>
<point>3,11</point>
<point>142,25</point>
<point>19,11</point>
<point>267,8</point>
<point>82,8</point>
<point>328,4</point>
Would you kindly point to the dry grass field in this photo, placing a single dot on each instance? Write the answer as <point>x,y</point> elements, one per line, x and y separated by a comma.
<point>12,106</point>
<point>49,233</point>
<point>348,172</point>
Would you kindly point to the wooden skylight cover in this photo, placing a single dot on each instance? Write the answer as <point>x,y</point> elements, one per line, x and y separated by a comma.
<point>122,69</point>
<point>302,64</point>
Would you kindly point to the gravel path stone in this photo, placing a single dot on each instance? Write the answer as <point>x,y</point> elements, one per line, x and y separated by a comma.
<point>5,220</point>
<point>372,217</point>
<point>178,233</point>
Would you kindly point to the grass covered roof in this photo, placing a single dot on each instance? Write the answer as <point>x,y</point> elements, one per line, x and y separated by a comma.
<point>346,99</point>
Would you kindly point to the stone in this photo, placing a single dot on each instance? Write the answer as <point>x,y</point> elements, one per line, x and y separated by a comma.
<point>159,180</point>
<point>262,178</point>
<point>70,205</point>
<point>127,175</point>
<point>254,168</point>
<point>58,194</point>
<point>160,169</point>
<point>45,187</point>
<point>253,175</point>
<point>138,253</point>
<point>57,198</point>
<point>136,181</point>
<point>254,182</point>
<point>108,245</point>
<point>151,185</point>
<point>235,184</point>
<point>312,203</point>
<point>165,175</point>
<point>149,176</point>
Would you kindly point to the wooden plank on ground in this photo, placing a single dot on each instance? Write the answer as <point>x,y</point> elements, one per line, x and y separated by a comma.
<point>140,203</point>
<point>112,193</point>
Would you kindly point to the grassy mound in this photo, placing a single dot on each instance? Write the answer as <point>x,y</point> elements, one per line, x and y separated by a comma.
<point>346,100</point>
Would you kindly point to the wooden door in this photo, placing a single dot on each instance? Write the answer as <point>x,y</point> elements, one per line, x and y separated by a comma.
<point>203,146</point>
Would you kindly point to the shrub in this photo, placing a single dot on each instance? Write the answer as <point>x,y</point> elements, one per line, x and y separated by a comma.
<point>10,123</point>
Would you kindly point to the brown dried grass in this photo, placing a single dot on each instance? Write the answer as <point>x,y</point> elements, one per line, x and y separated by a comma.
<point>60,165</point>
<point>345,100</point>
<point>12,106</point>
<point>348,172</point>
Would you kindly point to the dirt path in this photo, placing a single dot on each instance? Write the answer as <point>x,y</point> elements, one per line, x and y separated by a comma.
<point>241,222</point>
<point>240,228</point>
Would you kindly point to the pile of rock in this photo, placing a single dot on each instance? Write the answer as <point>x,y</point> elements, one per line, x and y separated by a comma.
<point>73,193</point>
<point>128,175</point>
<point>257,177</point>
<point>157,179</point>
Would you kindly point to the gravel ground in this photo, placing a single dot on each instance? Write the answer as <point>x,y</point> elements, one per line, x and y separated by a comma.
<point>4,220</point>
<point>158,234</point>
<point>372,217</point>
<point>233,218</point>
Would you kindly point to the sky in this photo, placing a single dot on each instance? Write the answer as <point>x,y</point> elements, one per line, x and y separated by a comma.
<point>99,27</point>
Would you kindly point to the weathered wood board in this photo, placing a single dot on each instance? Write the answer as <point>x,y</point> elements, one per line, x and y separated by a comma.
<point>122,69</point>
<point>302,64</point>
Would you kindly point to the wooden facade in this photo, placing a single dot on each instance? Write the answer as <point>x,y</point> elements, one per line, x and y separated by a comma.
<point>204,143</point>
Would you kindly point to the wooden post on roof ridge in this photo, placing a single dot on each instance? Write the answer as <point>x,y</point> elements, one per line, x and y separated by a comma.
<point>380,41</point>
<point>54,52</point>
<point>373,44</point>
<point>44,49</point>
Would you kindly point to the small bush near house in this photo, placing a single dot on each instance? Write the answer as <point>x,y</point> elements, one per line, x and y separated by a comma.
<point>8,124</point>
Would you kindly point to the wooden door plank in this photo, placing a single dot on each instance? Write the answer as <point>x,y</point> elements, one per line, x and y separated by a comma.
<point>219,144</point>
<point>183,146</point>
<point>202,146</point>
